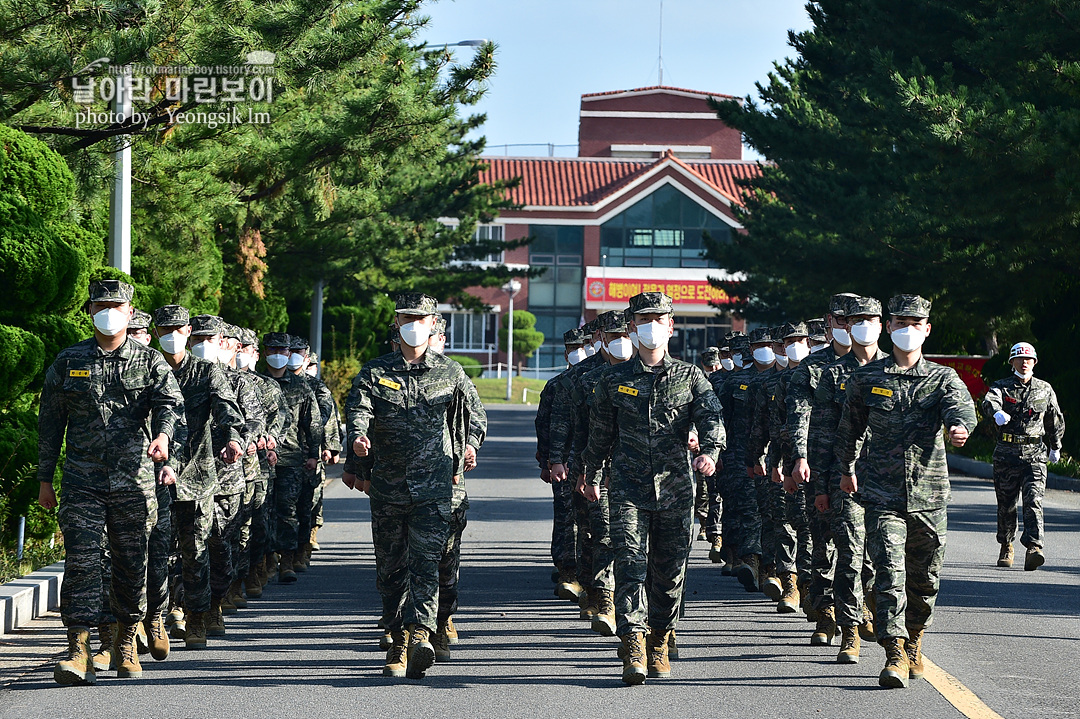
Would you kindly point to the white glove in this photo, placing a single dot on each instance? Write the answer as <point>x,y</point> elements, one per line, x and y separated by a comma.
<point>1001,418</point>
<point>1054,456</point>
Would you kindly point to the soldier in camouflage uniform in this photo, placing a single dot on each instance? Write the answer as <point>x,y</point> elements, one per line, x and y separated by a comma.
<point>854,573</point>
<point>207,396</point>
<point>117,406</point>
<point>139,327</point>
<point>641,418</point>
<point>710,362</point>
<point>399,411</point>
<point>298,451</point>
<point>278,419</point>
<point>1028,419</point>
<point>903,480</point>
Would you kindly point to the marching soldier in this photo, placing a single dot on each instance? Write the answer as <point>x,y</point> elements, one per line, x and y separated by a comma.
<point>139,327</point>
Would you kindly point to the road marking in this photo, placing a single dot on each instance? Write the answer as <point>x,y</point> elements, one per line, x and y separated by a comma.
<point>956,693</point>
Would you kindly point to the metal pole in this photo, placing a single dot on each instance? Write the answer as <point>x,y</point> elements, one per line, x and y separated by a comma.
<point>510,346</point>
<point>120,201</point>
<point>22,538</point>
<point>316,319</point>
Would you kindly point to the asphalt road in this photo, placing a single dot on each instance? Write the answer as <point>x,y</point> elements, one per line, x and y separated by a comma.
<point>1013,638</point>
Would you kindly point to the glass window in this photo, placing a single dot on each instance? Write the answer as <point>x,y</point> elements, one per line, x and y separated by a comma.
<point>469,330</point>
<point>560,248</point>
<point>641,235</point>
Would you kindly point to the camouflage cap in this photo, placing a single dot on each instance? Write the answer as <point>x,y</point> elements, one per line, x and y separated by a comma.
<point>276,339</point>
<point>816,328</point>
<point>739,341</point>
<point>439,326</point>
<point>171,316</point>
<point>206,325</point>
<point>909,306</point>
<point>415,303</point>
<point>614,321</point>
<point>575,336</point>
<point>231,331</point>
<point>760,335</point>
<point>139,320</point>
<point>248,337</point>
<point>710,356</point>
<point>838,304</point>
<point>650,303</point>
<point>863,306</point>
<point>312,358</point>
<point>297,343</point>
<point>111,291</point>
<point>777,334</point>
<point>794,329</point>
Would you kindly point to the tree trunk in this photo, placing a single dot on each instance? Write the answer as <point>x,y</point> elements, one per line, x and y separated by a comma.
<point>990,340</point>
<point>519,368</point>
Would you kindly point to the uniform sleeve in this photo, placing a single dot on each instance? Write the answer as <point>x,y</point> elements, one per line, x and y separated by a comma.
<point>601,435</point>
<point>1054,422</point>
<point>707,415</point>
<point>52,423</point>
<point>799,399</point>
<point>542,424</point>
<point>252,410</point>
<point>224,409</point>
<point>993,401</point>
<point>477,413</point>
<point>957,407</point>
<point>311,425</point>
<point>561,426</point>
<point>359,409</point>
<point>277,426</point>
<point>324,399</point>
<point>853,421</point>
<point>332,429</point>
<point>821,433</point>
<point>166,399</point>
<point>759,426</point>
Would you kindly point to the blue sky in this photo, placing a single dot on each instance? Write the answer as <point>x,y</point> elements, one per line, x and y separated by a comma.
<point>553,51</point>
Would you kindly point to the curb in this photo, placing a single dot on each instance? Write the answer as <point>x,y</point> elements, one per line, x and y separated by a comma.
<point>27,598</point>
<point>985,470</point>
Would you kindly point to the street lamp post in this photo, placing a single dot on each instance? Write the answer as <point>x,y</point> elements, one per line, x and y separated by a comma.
<point>511,288</point>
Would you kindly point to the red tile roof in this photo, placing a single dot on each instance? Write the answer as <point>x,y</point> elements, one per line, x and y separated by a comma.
<point>660,87</point>
<point>585,181</point>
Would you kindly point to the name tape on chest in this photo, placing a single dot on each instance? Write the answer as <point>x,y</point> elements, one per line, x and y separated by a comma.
<point>882,391</point>
<point>79,373</point>
<point>389,383</point>
<point>744,386</point>
<point>628,390</point>
<point>1011,400</point>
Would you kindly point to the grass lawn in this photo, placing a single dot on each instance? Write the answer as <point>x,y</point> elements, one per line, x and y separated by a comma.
<point>493,390</point>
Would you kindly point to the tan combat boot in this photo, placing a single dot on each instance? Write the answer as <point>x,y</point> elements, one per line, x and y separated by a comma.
<point>789,599</point>
<point>77,667</point>
<point>604,621</point>
<point>125,654</point>
<point>866,629</point>
<point>421,654</point>
<point>1005,556</point>
<point>300,563</point>
<point>896,671</point>
<point>267,568</point>
<point>396,655</point>
<point>1034,559</point>
<point>569,588</point>
<point>701,535</point>
<point>175,622</point>
<point>716,550</point>
<point>157,637</point>
<point>826,628</point>
<point>633,656</point>
<point>142,645</point>
<point>913,648</point>
<point>748,572</point>
<point>672,646</point>
<point>656,649</point>
<point>441,644</point>
<point>215,623</point>
<point>849,646</point>
<point>451,631</point>
<point>103,657</point>
<point>253,583</point>
<point>227,607</point>
<point>591,601</point>
<point>313,542</point>
<point>196,631</point>
<point>236,595</point>
<point>286,572</point>
<point>771,586</point>
<point>386,640</point>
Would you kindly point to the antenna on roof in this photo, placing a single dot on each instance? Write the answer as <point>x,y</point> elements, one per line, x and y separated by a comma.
<point>660,52</point>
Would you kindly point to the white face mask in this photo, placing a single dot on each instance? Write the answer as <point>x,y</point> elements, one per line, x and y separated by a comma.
<point>589,350</point>
<point>817,348</point>
<point>727,363</point>
<point>866,333</point>
<point>634,338</point>
<point>781,360</point>
<point>908,339</point>
<point>596,346</point>
<point>841,337</point>
<point>143,339</point>
<point>620,348</point>
<point>414,334</point>
<point>764,355</point>
<point>313,371</point>
<point>1023,375</point>
<point>575,356</point>
<point>111,321</point>
<point>653,335</point>
<point>737,361</point>
<point>296,360</point>
<point>243,360</point>
<point>172,342</point>
<point>797,352</point>
<point>206,350</point>
<point>277,361</point>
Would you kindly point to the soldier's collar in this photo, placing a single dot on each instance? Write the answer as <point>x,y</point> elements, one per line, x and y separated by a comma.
<point>919,369</point>
<point>426,360</point>
<point>641,368</point>
<point>124,351</point>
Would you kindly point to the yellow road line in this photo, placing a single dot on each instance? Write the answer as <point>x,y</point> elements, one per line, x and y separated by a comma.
<point>956,693</point>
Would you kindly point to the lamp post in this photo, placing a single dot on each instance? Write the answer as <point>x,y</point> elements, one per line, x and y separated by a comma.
<point>511,288</point>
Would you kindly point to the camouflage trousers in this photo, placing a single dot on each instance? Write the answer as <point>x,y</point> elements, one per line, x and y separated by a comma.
<point>769,502</point>
<point>222,544</point>
<point>651,550</point>
<point>85,516</point>
<point>596,566</point>
<point>1020,477</point>
<point>159,548</point>
<point>450,564</point>
<point>908,550</point>
<point>306,502</point>
<point>793,543</point>
<point>822,555</point>
<point>409,542</point>
<point>288,482</point>
<point>715,511</point>
<point>741,518</point>
<point>243,533</point>
<point>564,527</point>
<point>854,569</point>
<point>701,498</point>
<point>259,535</point>
<point>192,523</point>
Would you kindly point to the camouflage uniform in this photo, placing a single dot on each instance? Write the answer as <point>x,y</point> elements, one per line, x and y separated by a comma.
<point>758,451</point>
<point>107,406</point>
<point>403,409</point>
<point>903,480</point>
<point>1035,421</point>
<point>641,419</point>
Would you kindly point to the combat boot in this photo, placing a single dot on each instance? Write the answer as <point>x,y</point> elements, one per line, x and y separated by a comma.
<point>176,623</point>
<point>386,640</point>
<point>569,588</point>
<point>1034,559</point>
<point>157,637</point>
<point>300,558</point>
<point>591,600</point>
<point>672,646</point>
<point>701,535</point>
<point>286,573</point>
<point>633,656</point>
<point>729,563</point>
<point>227,607</point>
<point>604,621</point>
<point>313,542</point>
<point>771,586</point>
<point>913,649</point>
<point>103,658</point>
<point>789,600</point>
<point>396,655</point>
<point>142,646</point>
<point>826,628</point>
<point>77,667</point>
<point>421,654</point>
<point>196,631</point>
<point>451,631</point>
<point>716,551</point>
<point>1005,556</point>
<point>125,654</point>
<point>656,647</point>
<point>806,604</point>
<point>747,572</point>
<point>215,623</point>
<point>896,671</point>
<point>849,646</point>
<point>253,584</point>
<point>441,644</point>
<point>269,568</point>
<point>235,595</point>
<point>866,629</point>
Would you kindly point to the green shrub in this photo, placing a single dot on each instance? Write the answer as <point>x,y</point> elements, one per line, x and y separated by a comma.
<point>472,366</point>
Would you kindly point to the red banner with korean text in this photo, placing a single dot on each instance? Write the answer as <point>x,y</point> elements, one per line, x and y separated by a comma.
<point>687,292</point>
<point>970,371</point>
